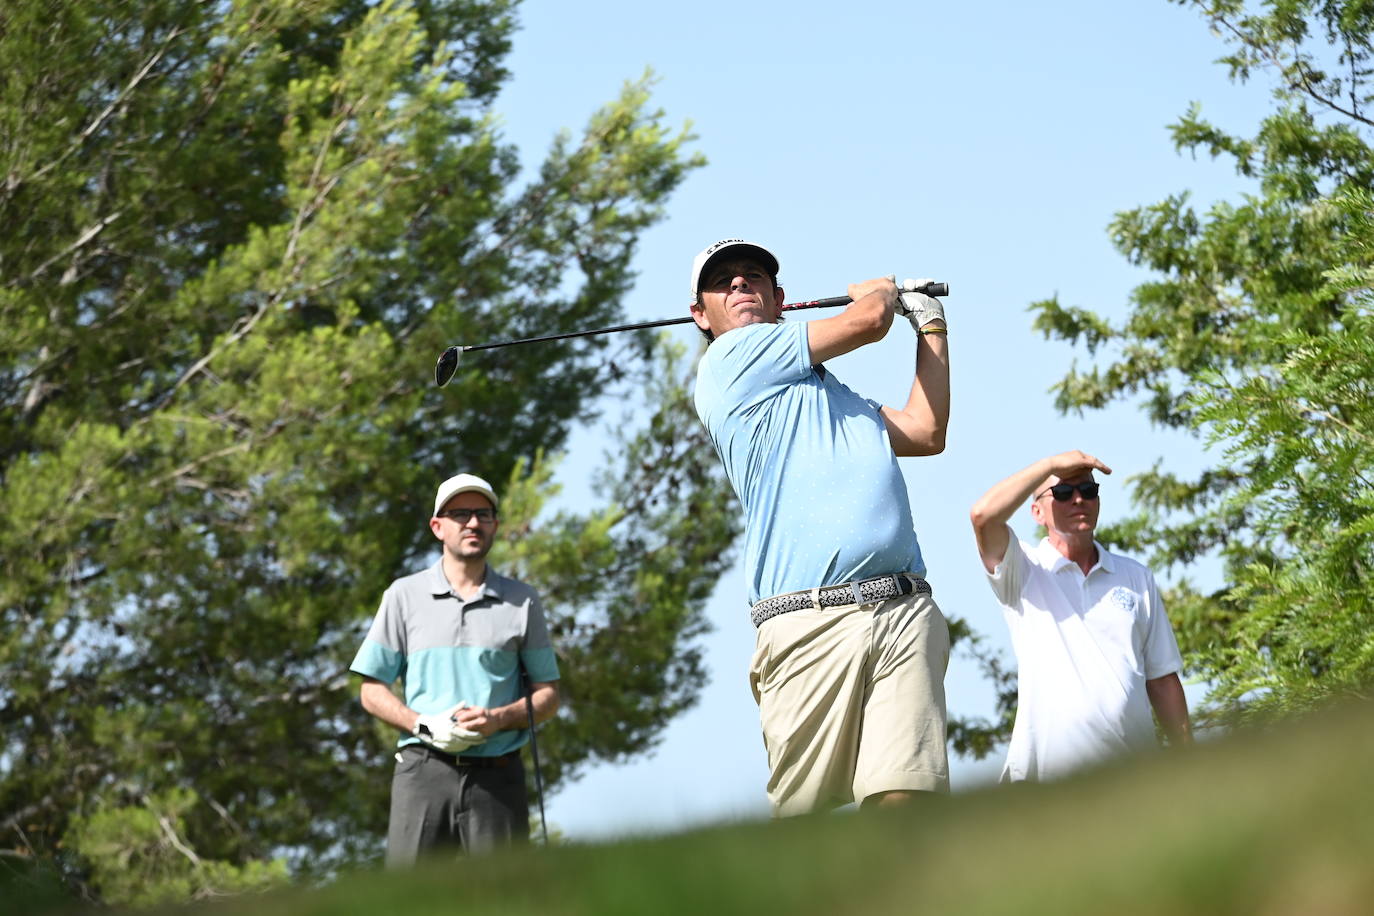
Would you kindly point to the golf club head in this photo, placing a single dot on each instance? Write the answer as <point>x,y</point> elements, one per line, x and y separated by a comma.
<point>446,366</point>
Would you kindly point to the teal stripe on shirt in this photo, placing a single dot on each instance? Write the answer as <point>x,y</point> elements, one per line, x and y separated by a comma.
<point>439,679</point>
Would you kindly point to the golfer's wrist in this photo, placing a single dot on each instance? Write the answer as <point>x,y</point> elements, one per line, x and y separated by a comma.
<point>507,718</point>
<point>921,322</point>
<point>495,717</point>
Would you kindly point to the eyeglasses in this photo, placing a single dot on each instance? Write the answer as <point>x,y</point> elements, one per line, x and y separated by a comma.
<point>461,516</point>
<point>1063,492</point>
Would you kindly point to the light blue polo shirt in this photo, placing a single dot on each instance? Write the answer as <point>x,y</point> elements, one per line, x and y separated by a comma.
<point>449,650</point>
<point>824,500</point>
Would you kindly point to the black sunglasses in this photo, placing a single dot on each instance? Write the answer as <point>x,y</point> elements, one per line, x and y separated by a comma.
<point>461,516</point>
<point>1063,492</point>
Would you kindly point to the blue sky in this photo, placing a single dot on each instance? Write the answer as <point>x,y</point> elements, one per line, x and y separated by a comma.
<point>987,145</point>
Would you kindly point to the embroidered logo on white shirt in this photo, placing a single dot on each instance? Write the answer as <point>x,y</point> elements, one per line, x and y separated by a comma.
<point>1123,599</point>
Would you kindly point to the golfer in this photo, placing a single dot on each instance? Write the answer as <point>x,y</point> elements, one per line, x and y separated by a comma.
<point>1094,648</point>
<point>458,634</point>
<point>851,649</point>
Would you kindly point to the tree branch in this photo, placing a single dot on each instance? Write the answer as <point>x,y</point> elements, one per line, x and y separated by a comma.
<point>87,234</point>
<point>118,100</point>
<point>1300,70</point>
<point>170,832</point>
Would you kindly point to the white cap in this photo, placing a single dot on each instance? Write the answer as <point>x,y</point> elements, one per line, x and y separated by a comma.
<point>462,483</point>
<point>749,249</point>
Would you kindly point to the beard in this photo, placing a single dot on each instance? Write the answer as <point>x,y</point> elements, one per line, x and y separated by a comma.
<point>467,549</point>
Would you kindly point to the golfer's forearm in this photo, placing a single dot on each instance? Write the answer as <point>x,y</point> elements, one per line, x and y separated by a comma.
<point>929,398</point>
<point>515,715</point>
<point>864,322</point>
<point>1171,707</point>
<point>919,427</point>
<point>379,701</point>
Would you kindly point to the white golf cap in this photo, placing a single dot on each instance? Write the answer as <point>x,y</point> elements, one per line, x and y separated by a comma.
<point>735,247</point>
<point>462,483</point>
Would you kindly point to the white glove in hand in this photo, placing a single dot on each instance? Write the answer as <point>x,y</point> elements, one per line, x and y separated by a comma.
<point>459,740</point>
<point>439,731</point>
<point>920,309</point>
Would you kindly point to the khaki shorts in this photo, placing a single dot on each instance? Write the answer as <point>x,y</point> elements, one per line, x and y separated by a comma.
<point>852,702</point>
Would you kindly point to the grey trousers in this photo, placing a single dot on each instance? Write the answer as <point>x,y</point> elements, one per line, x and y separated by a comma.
<point>438,801</point>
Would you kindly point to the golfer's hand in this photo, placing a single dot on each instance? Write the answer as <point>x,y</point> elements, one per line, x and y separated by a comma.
<point>476,719</point>
<point>439,731</point>
<point>921,310</point>
<point>882,285</point>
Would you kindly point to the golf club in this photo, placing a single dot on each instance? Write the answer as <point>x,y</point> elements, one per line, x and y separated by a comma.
<point>528,686</point>
<point>448,361</point>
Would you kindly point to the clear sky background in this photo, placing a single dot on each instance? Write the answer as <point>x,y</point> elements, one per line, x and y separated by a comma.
<point>987,145</point>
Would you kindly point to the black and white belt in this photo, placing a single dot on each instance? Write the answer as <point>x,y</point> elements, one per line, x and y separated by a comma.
<point>863,591</point>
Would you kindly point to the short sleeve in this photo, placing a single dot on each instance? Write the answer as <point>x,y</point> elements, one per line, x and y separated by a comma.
<point>1006,580</point>
<point>536,652</point>
<point>751,364</point>
<point>1161,647</point>
<point>383,652</point>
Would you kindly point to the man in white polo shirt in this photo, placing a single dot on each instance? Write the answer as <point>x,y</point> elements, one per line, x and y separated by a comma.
<point>458,635</point>
<point>1094,648</point>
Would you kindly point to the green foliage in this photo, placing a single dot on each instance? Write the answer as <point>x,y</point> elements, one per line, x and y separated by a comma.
<point>138,856</point>
<point>979,736</point>
<point>237,235</point>
<point>1221,828</point>
<point>1306,432</point>
<point>32,887</point>
<point>1256,336</point>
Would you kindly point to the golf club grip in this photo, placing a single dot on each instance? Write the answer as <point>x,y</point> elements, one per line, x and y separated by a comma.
<point>930,289</point>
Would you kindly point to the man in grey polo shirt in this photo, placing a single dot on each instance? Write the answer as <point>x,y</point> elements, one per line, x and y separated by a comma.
<point>851,649</point>
<point>457,635</point>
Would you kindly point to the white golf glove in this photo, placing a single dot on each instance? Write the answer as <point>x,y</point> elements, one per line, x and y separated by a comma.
<point>919,308</point>
<point>439,732</point>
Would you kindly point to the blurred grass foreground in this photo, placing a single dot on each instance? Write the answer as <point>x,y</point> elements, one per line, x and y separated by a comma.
<point>1277,822</point>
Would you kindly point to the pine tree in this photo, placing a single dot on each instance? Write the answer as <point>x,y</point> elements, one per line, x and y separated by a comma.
<point>236,238</point>
<point>1255,336</point>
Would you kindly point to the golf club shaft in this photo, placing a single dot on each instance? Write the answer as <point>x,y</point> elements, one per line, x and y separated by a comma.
<point>448,360</point>
<point>936,289</point>
<point>534,750</point>
<point>619,327</point>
